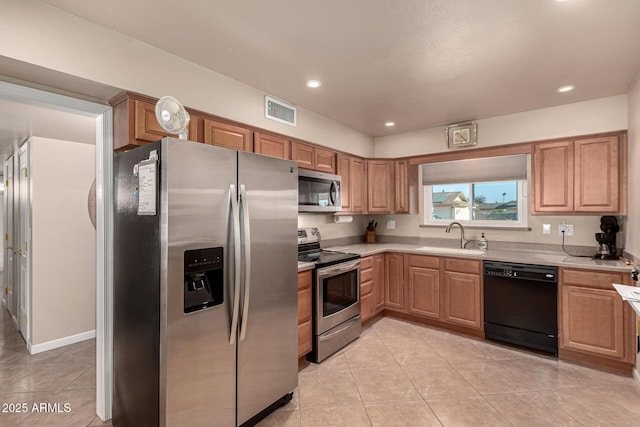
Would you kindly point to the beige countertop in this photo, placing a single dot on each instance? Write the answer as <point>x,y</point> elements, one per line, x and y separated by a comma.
<point>542,258</point>
<point>304,266</point>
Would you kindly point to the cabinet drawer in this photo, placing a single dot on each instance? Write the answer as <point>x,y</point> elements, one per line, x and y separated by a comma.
<point>592,279</point>
<point>367,307</point>
<point>304,305</point>
<point>304,279</point>
<point>304,338</point>
<point>462,265</point>
<point>366,275</point>
<point>366,262</point>
<point>424,261</point>
<point>366,287</point>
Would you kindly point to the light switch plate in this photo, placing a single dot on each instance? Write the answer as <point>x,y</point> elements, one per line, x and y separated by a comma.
<point>546,228</point>
<point>567,228</point>
<point>391,224</point>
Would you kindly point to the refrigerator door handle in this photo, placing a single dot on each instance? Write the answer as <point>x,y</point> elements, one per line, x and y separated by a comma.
<point>247,261</point>
<point>235,216</point>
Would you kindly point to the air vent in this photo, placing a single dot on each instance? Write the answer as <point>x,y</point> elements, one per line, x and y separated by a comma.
<point>279,111</point>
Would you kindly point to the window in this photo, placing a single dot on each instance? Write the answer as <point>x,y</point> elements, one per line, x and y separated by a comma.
<point>483,192</point>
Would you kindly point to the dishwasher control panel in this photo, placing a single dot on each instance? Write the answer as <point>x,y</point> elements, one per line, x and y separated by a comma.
<point>521,271</point>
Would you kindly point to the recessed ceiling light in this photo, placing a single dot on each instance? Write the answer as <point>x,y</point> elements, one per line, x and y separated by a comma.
<point>313,83</point>
<point>566,88</point>
<point>389,124</point>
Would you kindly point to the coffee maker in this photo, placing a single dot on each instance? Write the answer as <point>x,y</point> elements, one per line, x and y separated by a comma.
<point>607,239</point>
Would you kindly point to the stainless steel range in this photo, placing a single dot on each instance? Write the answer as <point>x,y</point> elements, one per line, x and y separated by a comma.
<point>336,295</point>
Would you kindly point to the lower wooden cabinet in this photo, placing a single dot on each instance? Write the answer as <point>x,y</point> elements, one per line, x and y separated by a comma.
<point>424,286</point>
<point>378,281</point>
<point>304,313</point>
<point>371,286</point>
<point>594,320</point>
<point>394,281</point>
<point>462,299</point>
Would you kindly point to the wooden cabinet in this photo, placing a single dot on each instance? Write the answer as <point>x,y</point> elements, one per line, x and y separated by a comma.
<point>304,313</point>
<point>226,135</point>
<point>135,123</point>
<point>581,176</point>
<point>401,182</point>
<point>394,281</point>
<point>378,281</point>
<point>367,297</point>
<point>594,320</point>
<point>352,171</point>
<point>270,145</point>
<point>379,186</point>
<point>462,293</point>
<point>424,285</point>
<point>313,157</point>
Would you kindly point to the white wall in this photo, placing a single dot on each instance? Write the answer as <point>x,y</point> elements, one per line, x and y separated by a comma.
<point>329,229</point>
<point>599,115</point>
<point>633,220</point>
<point>63,239</point>
<point>42,35</point>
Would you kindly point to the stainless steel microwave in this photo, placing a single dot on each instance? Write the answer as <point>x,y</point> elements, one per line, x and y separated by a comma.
<point>319,192</point>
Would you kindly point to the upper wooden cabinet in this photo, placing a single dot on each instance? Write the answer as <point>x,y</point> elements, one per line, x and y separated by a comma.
<point>273,146</point>
<point>401,181</point>
<point>312,157</point>
<point>135,123</point>
<point>380,186</point>
<point>354,189</point>
<point>226,135</point>
<point>581,176</point>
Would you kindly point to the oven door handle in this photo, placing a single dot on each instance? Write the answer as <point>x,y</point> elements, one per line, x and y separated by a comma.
<point>337,269</point>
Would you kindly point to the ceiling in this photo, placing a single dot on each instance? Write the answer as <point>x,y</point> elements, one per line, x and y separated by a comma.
<point>419,63</point>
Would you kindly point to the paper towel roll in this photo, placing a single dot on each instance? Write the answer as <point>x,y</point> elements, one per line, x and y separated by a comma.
<point>340,219</point>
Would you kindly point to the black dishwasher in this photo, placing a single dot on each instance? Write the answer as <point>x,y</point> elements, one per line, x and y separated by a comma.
<point>521,305</point>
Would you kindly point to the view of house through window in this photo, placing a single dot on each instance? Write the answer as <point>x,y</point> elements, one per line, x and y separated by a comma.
<point>478,201</point>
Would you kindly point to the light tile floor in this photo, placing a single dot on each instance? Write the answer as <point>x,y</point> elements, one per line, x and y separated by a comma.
<point>66,375</point>
<point>405,374</point>
<point>397,374</point>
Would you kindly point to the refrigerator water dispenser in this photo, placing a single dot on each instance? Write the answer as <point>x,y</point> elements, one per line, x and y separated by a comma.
<point>203,279</point>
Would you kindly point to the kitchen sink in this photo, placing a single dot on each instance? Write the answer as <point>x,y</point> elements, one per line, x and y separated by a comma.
<point>452,251</point>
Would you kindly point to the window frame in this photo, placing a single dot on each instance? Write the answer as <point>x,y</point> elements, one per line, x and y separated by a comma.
<point>523,209</point>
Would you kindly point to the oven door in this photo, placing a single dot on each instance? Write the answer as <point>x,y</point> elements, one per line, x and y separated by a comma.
<point>337,295</point>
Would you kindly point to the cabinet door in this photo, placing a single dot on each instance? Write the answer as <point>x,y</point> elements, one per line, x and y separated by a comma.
<point>378,280</point>
<point>553,177</point>
<point>367,306</point>
<point>229,136</point>
<point>304,338</point>
<point>379,178</point>
<point>597,175</point>
<point>304,313</point>
<point>462,299</point>
<point>324,160</point>
<point>424,292</point>
<point>344,170</point>
<point>273,146</point>
<point>147,128</point>
<point>394,281</point>
<point>303,154</point>
<point>358,185</point>
<point>592,321</point>
<point>401,186</point>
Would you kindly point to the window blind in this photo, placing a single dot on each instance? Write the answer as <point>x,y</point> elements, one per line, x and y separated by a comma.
<point>503,168</point>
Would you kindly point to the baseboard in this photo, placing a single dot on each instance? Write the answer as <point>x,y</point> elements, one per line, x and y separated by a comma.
<point>61,342</point>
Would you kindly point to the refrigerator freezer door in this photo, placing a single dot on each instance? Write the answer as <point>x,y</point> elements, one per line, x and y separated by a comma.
<point>197,378</point>
<point>267,354</point>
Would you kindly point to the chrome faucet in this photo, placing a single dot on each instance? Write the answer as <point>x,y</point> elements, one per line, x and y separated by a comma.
<point>463,241</point>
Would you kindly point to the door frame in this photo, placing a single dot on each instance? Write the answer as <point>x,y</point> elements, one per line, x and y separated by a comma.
<point>103,115</point>
<point>9,221</point>
<point>22,238</point>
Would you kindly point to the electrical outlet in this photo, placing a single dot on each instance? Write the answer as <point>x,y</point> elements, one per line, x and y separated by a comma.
<point>546,228</point>
<point>391,224</point>
<point>567,228</point>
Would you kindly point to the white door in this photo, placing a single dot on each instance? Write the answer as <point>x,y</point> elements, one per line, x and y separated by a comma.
<point>10,295</point>
<point>23,241</point>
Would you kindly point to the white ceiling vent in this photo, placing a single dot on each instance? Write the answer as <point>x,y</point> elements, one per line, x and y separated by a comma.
<point>279,111</point>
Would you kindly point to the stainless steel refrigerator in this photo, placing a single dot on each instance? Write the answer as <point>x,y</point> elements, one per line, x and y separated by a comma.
<point>205,285</point>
